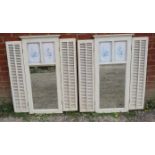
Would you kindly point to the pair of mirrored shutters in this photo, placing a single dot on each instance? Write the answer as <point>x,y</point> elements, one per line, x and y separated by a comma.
<point>28,76</point>
<point>88,75</point>
<point>128,74</point>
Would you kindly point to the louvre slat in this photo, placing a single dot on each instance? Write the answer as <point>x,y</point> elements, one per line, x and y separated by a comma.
<point>17,76</point>
<point>86,74</point>
<point>138,72</point>
<point>69,74</point>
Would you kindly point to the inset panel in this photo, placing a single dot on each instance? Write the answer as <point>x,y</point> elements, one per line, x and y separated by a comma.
<point>120,51</point>
<point>105,52</point>
<point>44,87</point>
<point>34,53</point>
<point>112,86</point>
<point>48,52</point>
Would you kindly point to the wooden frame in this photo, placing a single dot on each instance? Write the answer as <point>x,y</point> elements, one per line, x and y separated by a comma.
<point>112,38</point>
<point>40,39</point>
<point>87,103</point>
<point>133,106</point>
<point>20,103</point>
<point>73,41</point>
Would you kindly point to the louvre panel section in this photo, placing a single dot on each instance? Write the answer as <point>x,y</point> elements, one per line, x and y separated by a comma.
<point>138,72</point>
<point>17,76</point>
<point>86,75</point>
<point>69,74</point>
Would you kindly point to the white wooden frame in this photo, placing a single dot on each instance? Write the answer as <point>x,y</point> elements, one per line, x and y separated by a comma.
<point>21,109</point>
<point>40,39</point>
<point>131,106</point>
<point>112,38</point>
<point>79,74</point>
<point>75,68</point>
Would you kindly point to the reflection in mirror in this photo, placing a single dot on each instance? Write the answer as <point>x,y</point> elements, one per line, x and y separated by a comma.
<point>112,85</point>
<point>44,87</point>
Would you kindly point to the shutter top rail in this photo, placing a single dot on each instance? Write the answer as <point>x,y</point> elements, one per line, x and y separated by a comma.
<point>112,35</point>
<point>39,36</point>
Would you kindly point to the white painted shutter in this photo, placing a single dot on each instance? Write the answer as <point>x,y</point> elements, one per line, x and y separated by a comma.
<point>69,74</point>
<point>17,75</point>
<point>86,75</point>
<point>138,72</point>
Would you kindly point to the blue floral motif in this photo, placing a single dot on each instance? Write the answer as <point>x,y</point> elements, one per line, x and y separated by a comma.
<point>105,53</point>
<point>120,51</point>
<point>34,54</point>
<point>49,53</point>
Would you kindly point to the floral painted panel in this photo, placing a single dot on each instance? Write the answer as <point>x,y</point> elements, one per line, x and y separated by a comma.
<point>49,53</point>
<point>34,53</point>
<point>105,52</point>
<point>120,51</point>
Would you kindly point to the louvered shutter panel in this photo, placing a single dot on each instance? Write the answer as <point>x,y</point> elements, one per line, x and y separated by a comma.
<point>69,74</point>
<point>138,72</point>
<point>17,75</point>
<point>86,75</point>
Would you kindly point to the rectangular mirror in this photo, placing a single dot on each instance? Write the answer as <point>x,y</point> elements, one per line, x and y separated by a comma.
<point>44,87</point>
<point>112,85</point>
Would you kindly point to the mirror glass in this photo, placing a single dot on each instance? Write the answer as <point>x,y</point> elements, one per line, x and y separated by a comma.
<point>44,87</point>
